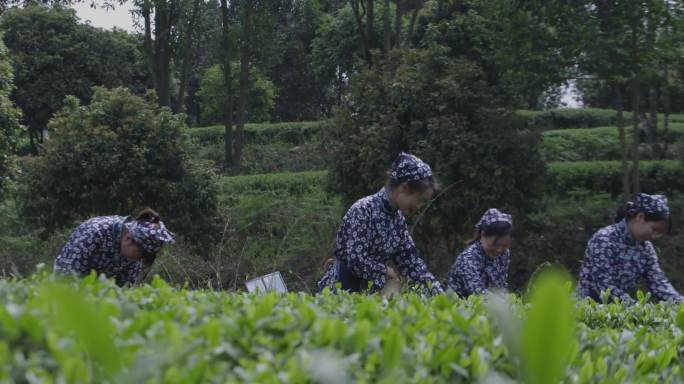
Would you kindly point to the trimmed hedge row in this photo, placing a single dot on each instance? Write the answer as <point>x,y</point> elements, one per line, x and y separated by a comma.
<point>664,176</point>
<point>600,143</point>
<point>292,183</point>
<point>564,118</point>
<point>294,133</point>
<point>569,118</point>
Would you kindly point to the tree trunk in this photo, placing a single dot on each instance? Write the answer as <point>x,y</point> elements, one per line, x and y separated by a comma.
<point>32,141</point>
<point>412,24</point>
<point>636,114</point>
<point>666,106</point>
<point>358,17</point>
<point>532,101</point>
<point>398,14</point>
<point>623,144</point>
<point>162,50</point>
<point>245,50</point>
<point>187,56</point>
<point>228,87</point>
<point>147,44</point>
<point>386,27</point>
<point>340,82</point>
<point>370,19</point>
<point>653,122</point>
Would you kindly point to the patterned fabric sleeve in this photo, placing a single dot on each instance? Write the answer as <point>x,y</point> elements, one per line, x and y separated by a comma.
<point>658,284</point>
<point>470,269</point>
<point>330,277</point>
<point>412,266</point>
<point>501,280</point>
<point>597,258</point>
<point>357,232</point>
<point>131,275</point>
<point>74,258</point>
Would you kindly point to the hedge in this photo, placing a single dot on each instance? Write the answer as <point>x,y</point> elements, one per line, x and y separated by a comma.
<point>564,118</point>
<point>292,183</point>
<point>293,133</point>
<point>600,143</point>
<point>664,176</point>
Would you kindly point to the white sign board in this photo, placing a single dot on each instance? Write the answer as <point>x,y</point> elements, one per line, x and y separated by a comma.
<point>273,282</point>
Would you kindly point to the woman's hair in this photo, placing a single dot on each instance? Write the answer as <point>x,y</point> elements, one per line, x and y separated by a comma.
<point>414,186</point>
<point>630,210</point>
<point>148,215</point>
<point>497,229</point>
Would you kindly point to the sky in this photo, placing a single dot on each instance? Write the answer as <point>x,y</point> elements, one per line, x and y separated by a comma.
<point>120,17</point>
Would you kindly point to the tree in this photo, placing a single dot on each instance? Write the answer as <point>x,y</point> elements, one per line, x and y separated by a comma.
<point>226,46</point>
<point>8,4</point>
<point>366,20</point>
<point>211,95</point>
<point>187,37</point>
<point>334,50</point>
<point>607,62</point>
<point>440,108</point>
<point>250,22</point>
<point>158,49</point>
<point>116,155</point>
<point>9,119</point>
<point>301,94</point>
<point>54,56</point>
<point>364,16</point>
<point>627,44</point>
<point>537,44</point>
<point>247,11</point>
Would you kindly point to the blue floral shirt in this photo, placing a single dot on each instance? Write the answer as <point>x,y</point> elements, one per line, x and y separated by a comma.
<point>615,260</point>
<point>371,233</point>
<point>95,245</point>
<point>474,272</point>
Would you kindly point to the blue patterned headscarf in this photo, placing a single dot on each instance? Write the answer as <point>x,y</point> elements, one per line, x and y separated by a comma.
<point>650,204</point>
<point>493,215</point>
<point>407,167</point>
<point>150,236</point>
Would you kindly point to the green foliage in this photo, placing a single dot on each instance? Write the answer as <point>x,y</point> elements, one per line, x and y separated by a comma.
<point>65,307</point>
<point>665,176</point>
<point>273,158</point>
<point>438,108</point>
<point>548,336</point>
<point>161,334</point>
<point>55,56</point>
<point>582,144</point>
<point>530,71</point>
<point>20,249</point>
<point>269,158</point>
<point>295,133</point>
<point>565,118</point>
<point>280,147</point>
<point>334,52</point>
<point>114,156</point>
<point>9,119</point>
<point>301,95</point>
<point>291,183</point>
<point>601,143</point>
<point>282,222</point>
<point>211,95</point>
<point>575,118</point>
